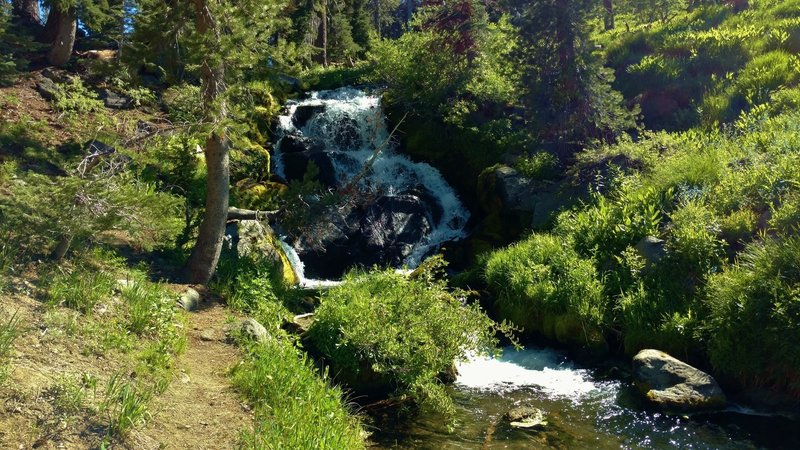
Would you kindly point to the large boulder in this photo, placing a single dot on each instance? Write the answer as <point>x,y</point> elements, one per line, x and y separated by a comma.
<point>673,384</point>
<point>115,100</point>
<point>526,417</point>
<point>383,232</point>
<point>505,192</point>
<point>295,166</point>
<point>304,113</point>
<point>252,237</point>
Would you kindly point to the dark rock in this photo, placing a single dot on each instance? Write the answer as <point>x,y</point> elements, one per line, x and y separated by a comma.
<point>382,233</point>
<point>294,143</point>
<point>115,100</point>
<point>673,384</point>
<point>304,113</point>
<point>505,191</point>
<point>295,166</point>
<point>291,82</point>
<point>57,75</point>
<point>346,135</point>
<point>47,88</point>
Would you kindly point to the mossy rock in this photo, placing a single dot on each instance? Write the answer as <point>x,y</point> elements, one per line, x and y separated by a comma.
<point>262,196</point>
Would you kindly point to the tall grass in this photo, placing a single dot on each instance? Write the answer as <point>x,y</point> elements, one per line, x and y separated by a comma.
<point>80,289</point>
<point>295,407</point>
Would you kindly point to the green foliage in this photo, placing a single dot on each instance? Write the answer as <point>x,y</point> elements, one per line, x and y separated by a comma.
<point>542,285</point>
<point>693,238</point>
<point>754,311</point>
<point>539,166</point>
<point>124,405</point>
<point>405,331</point>
<point>80,289</point>
<point>295,407</point>
<point>183,103</point>
<point>77,209</point>
<point>9,331</point>
<point>74,98</point>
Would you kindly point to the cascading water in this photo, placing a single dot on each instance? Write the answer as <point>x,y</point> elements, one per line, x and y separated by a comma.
<point>411,211</point>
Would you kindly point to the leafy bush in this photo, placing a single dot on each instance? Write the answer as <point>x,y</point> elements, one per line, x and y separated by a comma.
<point>693,240</point>
<point>295,407</point>
<point>542,285</point>
<point>404,331</point>
<point>73,98</point>
<point>755,306</point>
<point>539,166</point>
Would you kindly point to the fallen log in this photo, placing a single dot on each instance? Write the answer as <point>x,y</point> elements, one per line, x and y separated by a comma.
<point>249,214</point>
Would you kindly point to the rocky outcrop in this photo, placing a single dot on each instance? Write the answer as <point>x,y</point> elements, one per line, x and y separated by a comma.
<point>673,384</point>
<point>115,100</point>
<point>383,232</point>
<point>505,191</point>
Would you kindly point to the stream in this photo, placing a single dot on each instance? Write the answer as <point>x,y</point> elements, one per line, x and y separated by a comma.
<point>410,213</point>
<point>583,410</point>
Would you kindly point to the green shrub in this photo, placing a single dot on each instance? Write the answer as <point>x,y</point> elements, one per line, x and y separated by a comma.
<point>183,103</point>
<point>539,166</point>
<point>295,407</point>
<point>755,306</point>
<point>738,226</point>
<point>404,331</point>
<point>693,241</point>
<point>62,211</point>
<point>80,289</point>
<point>542,285</point>
<point>73,98</point>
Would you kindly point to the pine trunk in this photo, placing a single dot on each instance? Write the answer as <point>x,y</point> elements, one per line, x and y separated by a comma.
<point>608,19</point>
<point>64,41</point>
<point>325,33</point>
<point>205,255</point>
<point>26,12</point>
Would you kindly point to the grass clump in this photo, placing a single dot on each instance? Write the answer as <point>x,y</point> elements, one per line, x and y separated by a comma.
<point>542,285</point>
<point>383,331</point>
<point>295,407</point>
<point>754,311</point>
<point>9,331</point>
<point>539,166</point>
<point>80,289</point>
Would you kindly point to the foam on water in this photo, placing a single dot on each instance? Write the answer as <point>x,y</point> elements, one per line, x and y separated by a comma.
<point>529,368</point>
<point>351,116</point>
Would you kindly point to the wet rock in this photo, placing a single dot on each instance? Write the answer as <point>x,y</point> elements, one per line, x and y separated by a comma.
<point>346,135</point>
<point>382,233</point>
<point>249,328</point>
<point>304,113</point>
<point>673,384</point>
<point>526,417</point>
<point>115,100</point>
<point>300,324</point>
<point>295,166</point>
<point>252,237</point>
<point>651,249</point>
<point>190,300</point>
<point>295,143</point>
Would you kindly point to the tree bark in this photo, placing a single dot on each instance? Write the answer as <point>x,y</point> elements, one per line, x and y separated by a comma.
<point>325,33</point>
<point>205,254</point>
<point>62,45</point>
<point>608,19</point>
<point>26,12</point>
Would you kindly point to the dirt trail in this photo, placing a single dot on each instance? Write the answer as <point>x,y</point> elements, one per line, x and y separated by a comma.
<point>199,410</point>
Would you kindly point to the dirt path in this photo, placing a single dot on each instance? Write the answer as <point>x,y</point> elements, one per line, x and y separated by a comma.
<point>199,410</point>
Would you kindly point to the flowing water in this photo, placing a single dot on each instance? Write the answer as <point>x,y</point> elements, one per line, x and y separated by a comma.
<point>584,411</point>
<point>350,127</point>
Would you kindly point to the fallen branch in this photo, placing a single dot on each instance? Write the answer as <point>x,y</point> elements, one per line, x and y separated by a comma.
<point>249,214</point>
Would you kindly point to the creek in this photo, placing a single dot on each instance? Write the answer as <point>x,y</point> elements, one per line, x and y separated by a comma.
<point>410,212</point>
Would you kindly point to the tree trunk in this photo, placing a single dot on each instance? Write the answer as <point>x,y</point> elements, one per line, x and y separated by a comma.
<point>608,19</point>
<point>377,11</point>
<point>205,255</point>
<point>409,13</point>
<point>325,33</point>
<point>26,12</point>
<point>739,5</point>
<point>66,28</point>
<point>62,248</point>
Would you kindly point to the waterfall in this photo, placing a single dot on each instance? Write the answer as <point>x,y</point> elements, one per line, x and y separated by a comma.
<point>340,131</point>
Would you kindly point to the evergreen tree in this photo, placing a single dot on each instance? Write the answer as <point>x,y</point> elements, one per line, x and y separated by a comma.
<point>569,96</point>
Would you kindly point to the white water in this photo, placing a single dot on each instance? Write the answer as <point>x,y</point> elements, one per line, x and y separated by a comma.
<point>391,173</point>
<point>542,369</point>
